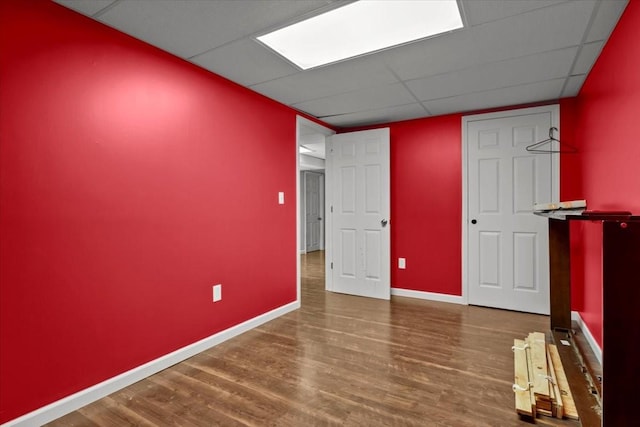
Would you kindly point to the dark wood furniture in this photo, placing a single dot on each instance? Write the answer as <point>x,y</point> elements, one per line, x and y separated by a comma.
<point>621,314</point>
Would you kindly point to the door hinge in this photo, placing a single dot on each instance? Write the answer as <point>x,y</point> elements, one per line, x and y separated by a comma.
<point>332,266</point>
<point>331,208</point>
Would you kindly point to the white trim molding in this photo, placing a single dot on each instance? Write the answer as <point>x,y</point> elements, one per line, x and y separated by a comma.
<point>575,316</point>
<point>84,397</point>
<point>431,296</point>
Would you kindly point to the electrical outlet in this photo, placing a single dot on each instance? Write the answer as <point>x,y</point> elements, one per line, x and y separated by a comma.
<point>217,293</point>
<point>402,263</point>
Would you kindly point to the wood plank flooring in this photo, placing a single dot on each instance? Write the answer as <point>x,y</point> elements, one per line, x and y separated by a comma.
<point>339,360</point>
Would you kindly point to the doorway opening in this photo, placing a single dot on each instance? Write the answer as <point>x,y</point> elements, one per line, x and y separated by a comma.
<point>505,247</point>
<point>310,195</point>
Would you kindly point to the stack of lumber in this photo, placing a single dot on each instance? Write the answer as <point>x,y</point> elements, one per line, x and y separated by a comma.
<point>540,384</point>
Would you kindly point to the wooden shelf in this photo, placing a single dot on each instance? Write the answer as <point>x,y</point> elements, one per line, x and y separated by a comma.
<point>585,215</point>
<point>621,317</point>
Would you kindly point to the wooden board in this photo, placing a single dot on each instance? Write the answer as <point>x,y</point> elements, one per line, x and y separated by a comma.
<point>523,397</point>
<point>544,412</point>
<point>537,343</point>
<point>556,397</point>
<point>569,407</point>
<point>530,373</point>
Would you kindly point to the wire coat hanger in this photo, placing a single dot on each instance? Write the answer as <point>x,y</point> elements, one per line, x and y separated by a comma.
<point>564,148</point>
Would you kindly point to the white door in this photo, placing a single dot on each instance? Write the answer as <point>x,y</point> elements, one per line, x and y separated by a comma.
<point>507,245</point>
<point>313,211</point>
<point>358,253</point>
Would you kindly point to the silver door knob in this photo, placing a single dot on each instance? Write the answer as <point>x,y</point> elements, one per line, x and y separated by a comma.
<point>384,222</point>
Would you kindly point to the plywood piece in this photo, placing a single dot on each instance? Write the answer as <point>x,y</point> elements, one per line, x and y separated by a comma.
<point>556,397</point>
<point>530,374</point>
<point>569,406</point>
<point>537,343</point>
<point>544,404</point>
<point>521,382</point>
<point>544,412</point>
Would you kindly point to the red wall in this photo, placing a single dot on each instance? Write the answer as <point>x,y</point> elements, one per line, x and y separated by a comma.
<point>606,116</point>
<point>426,199</point>
<point>426,204</point>
<point>130,183</point>
<point>126,191</point>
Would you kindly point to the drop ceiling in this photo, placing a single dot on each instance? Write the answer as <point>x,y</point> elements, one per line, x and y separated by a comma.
<point>510,52</point>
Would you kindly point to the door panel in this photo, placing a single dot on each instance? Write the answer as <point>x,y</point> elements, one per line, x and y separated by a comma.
<point>507,246</point>
<point>372,254</point>
<point>358,163</point>
<point>524,177</point>
<point>348,258</point>
<point>489,185</point>
<point>313,211</point>
<point>524,254</point>
<point>489,259</point>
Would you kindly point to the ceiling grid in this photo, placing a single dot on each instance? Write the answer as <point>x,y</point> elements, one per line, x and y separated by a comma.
<point>510,52</point>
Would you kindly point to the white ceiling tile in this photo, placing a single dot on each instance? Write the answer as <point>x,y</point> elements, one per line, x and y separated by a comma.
<point>86,7</point>
<point>587,57</point>
<point>537,31</point>
<point>326,81</point>
<point>246,62</point>
<point>516,95</point>
<point>494,61</point>
<point>573,85</point>
<point>608,15</point>
<point>385,115</point>
<point>495,75</point>
<point>431,56</point>
<point>478,12</point>
<point>364,99</point>
<point>187,28</point>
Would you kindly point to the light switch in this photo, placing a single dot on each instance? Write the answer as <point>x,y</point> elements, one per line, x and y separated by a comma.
<point>217,293</point>
<point>281,198</point>
<point>402,263</point>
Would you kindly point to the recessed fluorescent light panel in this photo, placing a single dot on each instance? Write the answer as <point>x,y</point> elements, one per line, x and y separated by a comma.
<point>362,27</point>
<point>304,149</point>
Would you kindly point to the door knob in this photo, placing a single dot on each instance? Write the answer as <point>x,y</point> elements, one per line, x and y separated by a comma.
<point>474,221</point>
<point>319,218</point>
<point>384,222</point>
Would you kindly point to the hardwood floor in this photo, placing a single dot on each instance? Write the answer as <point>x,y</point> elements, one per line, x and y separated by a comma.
<point>339,360</point>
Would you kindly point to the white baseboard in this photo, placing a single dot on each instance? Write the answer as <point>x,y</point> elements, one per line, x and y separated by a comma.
<point>84,397</point>
<point>588,335</point>
<point>431,296</point>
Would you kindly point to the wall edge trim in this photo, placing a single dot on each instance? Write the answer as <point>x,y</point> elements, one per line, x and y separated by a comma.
<point>84,397</point>
<point>575,316</point>
<point>431,296</point>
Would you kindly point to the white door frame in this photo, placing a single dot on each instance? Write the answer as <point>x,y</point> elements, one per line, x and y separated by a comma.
<point>302,121</point>
<point>303,208</point>
<point>554,110</point>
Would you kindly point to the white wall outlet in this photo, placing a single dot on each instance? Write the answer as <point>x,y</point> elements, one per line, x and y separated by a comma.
<point>217,293</point>
<point>402,263</point>
<point>281,197</point>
